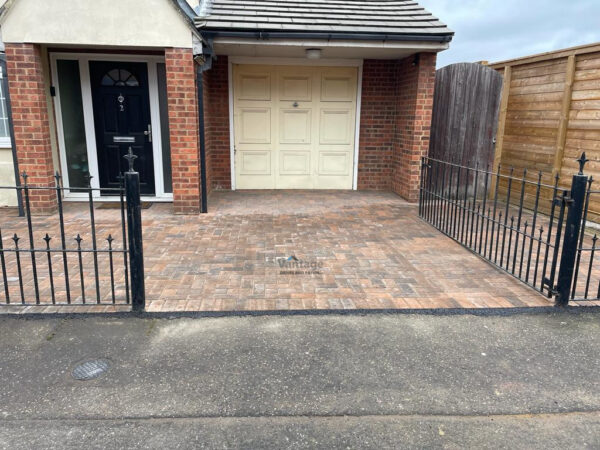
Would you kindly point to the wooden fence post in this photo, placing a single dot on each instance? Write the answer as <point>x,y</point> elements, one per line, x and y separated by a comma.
<point>561,137</point>
<point>501,123</point>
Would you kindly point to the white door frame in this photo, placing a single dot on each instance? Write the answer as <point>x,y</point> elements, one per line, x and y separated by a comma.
<point>294,62</point>
<point>88,119</point>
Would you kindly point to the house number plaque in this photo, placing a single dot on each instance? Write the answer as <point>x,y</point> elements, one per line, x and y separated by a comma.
<point>121,99</point>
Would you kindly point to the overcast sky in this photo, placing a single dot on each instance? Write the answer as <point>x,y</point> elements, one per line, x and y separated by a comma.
<point>494,30</point>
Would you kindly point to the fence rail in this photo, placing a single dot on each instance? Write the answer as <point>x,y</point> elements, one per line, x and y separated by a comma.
<point>68,257</point>
<point>549,247</point>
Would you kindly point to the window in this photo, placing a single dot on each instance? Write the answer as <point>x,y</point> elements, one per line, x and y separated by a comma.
<point>71,106</point>
<point>4,128</point>
<point>119,77</point>
<point>164,126</point>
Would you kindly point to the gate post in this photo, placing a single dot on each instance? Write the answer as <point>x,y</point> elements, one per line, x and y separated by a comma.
<point>134,228</point>
<point>572,229</point>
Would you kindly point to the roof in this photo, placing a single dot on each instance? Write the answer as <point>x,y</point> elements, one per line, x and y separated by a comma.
<point>388,17</point>
<point>187,12</point>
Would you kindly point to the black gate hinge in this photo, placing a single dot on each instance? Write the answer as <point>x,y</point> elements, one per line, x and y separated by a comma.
<point>552,291</point>
<point>566,200</point>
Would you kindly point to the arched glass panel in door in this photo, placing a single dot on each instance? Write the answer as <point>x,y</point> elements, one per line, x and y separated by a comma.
<point>119,77</point>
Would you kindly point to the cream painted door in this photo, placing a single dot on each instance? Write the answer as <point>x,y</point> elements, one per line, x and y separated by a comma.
<point>294,126</point>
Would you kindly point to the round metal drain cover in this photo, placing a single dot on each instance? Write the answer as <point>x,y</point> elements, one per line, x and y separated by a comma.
<point>90,369</point>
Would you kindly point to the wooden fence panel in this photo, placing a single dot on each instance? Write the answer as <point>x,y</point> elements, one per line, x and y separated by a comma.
<point>583,126</point>
<point>534,105</point>
<point>465,114</point>
<point>553,115</point>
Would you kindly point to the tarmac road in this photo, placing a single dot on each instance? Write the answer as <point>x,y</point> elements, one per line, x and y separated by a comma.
<point>333,381</point>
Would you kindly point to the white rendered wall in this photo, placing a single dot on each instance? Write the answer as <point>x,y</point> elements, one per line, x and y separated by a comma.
<point>131,23</point>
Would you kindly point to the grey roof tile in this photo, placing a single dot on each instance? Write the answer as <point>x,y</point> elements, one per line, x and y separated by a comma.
<point>342,16</point>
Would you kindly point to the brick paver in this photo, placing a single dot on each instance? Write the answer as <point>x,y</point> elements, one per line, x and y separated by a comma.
<point>361,250</point>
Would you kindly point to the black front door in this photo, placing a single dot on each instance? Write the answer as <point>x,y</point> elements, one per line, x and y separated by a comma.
<point>122,120</point>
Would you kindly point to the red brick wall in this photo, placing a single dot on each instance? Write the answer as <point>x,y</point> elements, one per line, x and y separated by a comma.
<point>216,125</point>
<point>377,124</point>
<point>183,129</point>
<point>396,104</point>
<point>415,84</point>
<point>31,122</point>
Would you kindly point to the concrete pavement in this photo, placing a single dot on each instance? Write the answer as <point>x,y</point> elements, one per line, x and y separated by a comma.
<point>375,381</point>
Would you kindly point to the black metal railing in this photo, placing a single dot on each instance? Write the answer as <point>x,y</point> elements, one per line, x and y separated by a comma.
<point>528,226</point>
<point>74,254</point>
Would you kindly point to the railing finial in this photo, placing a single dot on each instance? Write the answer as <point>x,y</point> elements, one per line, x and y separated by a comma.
<point>88,178</point>
<point>130,157</point>
<point>582,160</point>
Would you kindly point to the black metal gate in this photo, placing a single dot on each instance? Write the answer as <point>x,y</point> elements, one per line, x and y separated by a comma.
<point>504,219</point>
<point>70,257</point>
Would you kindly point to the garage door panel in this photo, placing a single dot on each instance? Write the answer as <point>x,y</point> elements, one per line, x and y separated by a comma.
<point>334,163</point>
<point>254,86</point>
<point>255,125</point>
<point>338,86</point>
<point>295,126</point>
<point>295,88</point>
<point>336,126</point>
<point>294,162</point>
<point>255,162</point>
<point>336,89</point>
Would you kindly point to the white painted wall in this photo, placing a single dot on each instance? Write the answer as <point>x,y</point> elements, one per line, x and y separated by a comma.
<point>131,23</point>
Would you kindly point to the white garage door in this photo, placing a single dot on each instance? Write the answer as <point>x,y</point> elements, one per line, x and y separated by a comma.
<point>294,126</point>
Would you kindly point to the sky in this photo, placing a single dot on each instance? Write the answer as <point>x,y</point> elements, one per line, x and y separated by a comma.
<point>494,30</point>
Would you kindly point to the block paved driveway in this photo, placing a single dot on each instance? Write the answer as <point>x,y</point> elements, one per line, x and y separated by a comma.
<point>368,249</point>
<point>361,250</point>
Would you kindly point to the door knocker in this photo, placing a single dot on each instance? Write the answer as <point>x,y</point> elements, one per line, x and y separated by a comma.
<point>121,99</point>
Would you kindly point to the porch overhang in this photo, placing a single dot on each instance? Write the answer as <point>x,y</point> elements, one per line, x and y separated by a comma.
<point>333,45</point>
<point>296,48</point>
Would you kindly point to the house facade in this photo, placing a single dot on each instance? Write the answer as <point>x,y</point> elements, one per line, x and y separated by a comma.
<point>222,94</point>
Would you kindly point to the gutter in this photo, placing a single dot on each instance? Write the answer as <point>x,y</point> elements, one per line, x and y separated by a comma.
<point>266,35</point>
<point>202,141</point>
<point>184,7</point>
<point>187,14</point>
